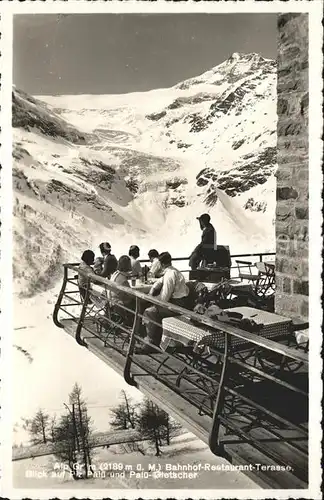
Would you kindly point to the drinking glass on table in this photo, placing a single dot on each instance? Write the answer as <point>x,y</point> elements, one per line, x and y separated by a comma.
<point>145,270</point>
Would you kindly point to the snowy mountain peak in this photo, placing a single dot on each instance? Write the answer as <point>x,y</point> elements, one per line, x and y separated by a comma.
<point>242,55</point>
<point>237,67</point>
<point>138,168</point>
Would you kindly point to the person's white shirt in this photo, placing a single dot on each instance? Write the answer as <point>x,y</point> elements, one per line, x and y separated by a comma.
<point>136,268</point>
<point>156,269</point>
<point>173,285</point>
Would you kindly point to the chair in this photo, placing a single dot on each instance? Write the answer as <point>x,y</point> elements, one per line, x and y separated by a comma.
<point>110,320</point>
<point>244,275</point>
<point>258,291</point>
<point>265,284</point>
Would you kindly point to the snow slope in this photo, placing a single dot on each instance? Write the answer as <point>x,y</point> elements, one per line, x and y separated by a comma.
<point>50,366</point>
<point>184,449</point>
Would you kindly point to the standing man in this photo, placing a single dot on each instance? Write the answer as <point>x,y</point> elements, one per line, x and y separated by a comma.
<point>208,245</point>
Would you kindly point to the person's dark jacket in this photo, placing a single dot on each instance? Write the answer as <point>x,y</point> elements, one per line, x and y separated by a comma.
<point>109,266</point>
<point>207,246</point>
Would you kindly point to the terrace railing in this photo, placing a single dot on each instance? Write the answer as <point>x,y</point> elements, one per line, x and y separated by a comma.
<point>253,389</point>
<point>253,257</point>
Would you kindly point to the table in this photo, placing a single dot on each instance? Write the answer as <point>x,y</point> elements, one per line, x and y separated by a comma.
<point>141,287</point>
<point>183,330</point>
<point>272,324</point>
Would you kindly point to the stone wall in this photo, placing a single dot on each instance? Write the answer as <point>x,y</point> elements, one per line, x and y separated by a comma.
<point>292,175</point>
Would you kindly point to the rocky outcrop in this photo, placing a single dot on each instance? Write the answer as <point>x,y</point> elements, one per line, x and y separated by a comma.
<point>175,189</point>
<point>292,175</point>
<point>253,170</point>
<point>255,206</point>
<point>190,100</point>
<point>156,116</point>
<point>29,113</point>
<point>131,184</point>
<point>98,173</point>
<point>18,152</point>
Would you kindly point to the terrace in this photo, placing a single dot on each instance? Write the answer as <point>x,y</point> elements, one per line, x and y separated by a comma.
<point>242,390</point>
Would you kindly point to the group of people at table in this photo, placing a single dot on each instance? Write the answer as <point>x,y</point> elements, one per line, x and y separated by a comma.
<point>169,283</point>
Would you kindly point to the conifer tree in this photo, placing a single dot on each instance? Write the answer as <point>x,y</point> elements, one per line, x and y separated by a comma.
<point>124,414</point>
<point>38,427</point>
<point>73,436</point>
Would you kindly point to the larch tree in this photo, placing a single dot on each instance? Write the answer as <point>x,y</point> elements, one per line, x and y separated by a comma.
<point>124,414</point>
<point>83,425</point>
<point>73,436</point>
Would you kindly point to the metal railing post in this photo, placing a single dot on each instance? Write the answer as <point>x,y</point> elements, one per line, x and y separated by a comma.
<point>59,300</point>
<point>130,351</point>
<point>213,439</point>
<point>78,338</point>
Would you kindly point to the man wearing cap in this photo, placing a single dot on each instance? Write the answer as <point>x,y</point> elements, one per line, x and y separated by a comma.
<point>206,248</point>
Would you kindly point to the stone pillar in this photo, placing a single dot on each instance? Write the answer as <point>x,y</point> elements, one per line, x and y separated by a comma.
<point>292,174</point>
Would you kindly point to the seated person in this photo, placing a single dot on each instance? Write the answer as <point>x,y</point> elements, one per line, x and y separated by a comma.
<point>106,265</point>
<point>118,298</point>
<point>155,271</point>
<point>87,261</point>
<point>171,287</point>
<point>134,254</point>
<point>206,248</point>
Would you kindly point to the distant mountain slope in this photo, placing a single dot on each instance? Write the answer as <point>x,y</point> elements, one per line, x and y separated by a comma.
<point>139,167</point>
<point>98,439</point>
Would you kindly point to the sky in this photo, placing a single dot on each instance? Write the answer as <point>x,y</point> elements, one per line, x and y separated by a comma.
<point>115,54</point>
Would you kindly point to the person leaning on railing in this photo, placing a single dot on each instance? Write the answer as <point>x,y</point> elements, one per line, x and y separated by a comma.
<point>171,287</point>
<point>119,299</point>
<point>87,261</point>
